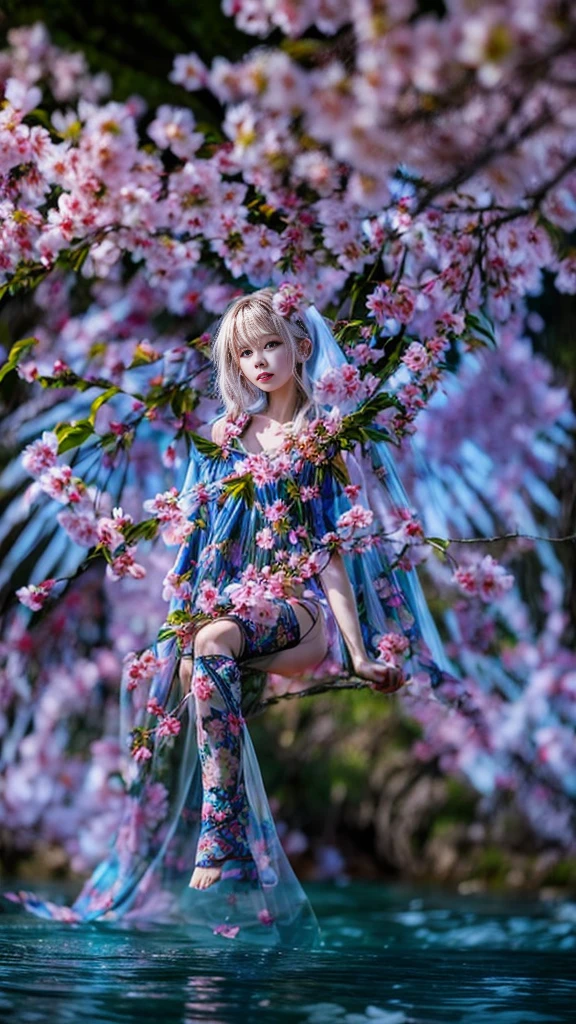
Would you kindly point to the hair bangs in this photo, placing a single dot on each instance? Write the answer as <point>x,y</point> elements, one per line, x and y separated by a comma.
<point>251,320</point>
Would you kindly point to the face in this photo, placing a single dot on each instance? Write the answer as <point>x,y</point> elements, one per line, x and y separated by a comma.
<point>269,355</point>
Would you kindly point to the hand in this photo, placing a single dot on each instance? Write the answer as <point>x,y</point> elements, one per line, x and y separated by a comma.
<point>383,678</point>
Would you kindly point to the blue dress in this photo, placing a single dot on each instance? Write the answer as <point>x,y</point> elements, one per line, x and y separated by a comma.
<point>270,511</point>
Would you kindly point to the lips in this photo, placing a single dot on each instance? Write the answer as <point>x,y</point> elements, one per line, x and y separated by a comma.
<point>264,376</point>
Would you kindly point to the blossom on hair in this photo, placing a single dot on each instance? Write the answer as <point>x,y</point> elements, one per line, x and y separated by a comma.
<point>288,298</point>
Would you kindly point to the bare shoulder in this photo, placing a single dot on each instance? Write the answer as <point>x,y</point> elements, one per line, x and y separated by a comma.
<point>218,430</point>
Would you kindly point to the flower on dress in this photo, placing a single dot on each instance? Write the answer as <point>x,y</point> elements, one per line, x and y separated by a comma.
<point>207,601</point>
<point>265,538</point>
<point>203,688</point>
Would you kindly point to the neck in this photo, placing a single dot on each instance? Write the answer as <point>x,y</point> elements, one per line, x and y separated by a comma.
<point>282,402</point>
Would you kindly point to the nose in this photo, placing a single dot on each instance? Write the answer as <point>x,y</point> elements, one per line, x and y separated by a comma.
<point>260,360</point>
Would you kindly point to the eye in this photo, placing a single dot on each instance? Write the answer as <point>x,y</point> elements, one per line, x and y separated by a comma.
<point>244,352</point>
<point>272,343</point>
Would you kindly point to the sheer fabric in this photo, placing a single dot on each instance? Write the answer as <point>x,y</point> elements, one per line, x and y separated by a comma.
<point>170,819</point>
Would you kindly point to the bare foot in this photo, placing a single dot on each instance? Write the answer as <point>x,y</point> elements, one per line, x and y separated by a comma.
<point>202,878</point>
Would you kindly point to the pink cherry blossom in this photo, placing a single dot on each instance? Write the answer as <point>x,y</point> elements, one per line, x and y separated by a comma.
<point>169,726</point>
<point>41,455</point>
<point>125,565</point>
<point>35,596</point>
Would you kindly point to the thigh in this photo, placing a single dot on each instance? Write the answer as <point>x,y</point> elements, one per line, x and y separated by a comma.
<point>309,652</point>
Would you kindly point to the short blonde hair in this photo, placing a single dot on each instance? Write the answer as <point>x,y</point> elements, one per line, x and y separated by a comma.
<point>245,319</point>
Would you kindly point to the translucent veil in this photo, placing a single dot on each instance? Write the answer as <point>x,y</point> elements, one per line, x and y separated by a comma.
<point>380,495</point>
<point>144,876</point>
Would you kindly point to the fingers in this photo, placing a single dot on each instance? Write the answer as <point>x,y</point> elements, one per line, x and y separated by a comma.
<point>391,681</point>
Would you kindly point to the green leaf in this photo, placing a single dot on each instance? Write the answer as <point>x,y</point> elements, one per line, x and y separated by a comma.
<point>481,327</point>
<point>178,617</point>
<point>146,530</point>
<point>142,357</point>
<point>205,446</point>
<point>101,400</point>
<point>440,542</point>
<point>375,434</point>
<point>242,487</point>
<point>65,380</point>
<point>71,435</point>
<point>165,634</point>
<point>183,400</point>
<point>18,350</point>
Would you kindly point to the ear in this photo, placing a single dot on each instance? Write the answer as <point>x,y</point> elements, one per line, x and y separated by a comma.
<point>304,349</point>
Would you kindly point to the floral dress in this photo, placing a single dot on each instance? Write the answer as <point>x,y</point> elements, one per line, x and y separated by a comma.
<point>254,531</point>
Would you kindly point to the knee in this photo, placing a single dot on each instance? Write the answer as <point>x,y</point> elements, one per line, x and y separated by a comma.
<point>218,638</point>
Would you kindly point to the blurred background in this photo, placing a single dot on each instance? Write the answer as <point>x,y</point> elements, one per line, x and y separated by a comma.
<point>360,787</point>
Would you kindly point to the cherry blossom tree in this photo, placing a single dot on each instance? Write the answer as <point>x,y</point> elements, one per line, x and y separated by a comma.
<point>412,174</point>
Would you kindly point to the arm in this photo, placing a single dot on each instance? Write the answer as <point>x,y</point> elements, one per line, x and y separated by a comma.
<point>338,588</point>
<point>340,594</point>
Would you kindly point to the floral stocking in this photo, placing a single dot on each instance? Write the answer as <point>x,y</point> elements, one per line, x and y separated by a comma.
<point>219,723</point>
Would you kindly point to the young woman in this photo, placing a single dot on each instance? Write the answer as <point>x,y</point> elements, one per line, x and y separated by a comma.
<point>260,359</point>
<point>286,570</point>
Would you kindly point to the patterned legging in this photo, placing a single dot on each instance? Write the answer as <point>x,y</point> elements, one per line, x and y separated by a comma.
<point>216,686</point>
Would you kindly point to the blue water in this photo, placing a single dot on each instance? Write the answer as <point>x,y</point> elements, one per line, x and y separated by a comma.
<point>393,955</point>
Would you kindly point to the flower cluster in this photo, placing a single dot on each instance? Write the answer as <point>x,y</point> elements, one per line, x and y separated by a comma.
<point>343,386</point>
<point>483,577</point>
<point>167,508</point>
<point>140,668</point>
<point>34,596</point>
<point>356,163</point>
<point>392,648</point>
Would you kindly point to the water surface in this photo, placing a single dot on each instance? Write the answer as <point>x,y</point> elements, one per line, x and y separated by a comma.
<point>392,955</point>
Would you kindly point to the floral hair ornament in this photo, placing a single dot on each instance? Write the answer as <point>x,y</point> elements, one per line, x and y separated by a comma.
<point>289,302</point>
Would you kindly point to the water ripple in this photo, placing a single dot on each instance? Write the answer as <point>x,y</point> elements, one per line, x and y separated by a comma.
<point>391,957</point>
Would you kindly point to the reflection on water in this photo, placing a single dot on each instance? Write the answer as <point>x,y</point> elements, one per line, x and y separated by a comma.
<point>391,956</point>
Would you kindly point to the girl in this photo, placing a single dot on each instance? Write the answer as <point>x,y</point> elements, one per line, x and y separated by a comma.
<point>260,360</point>
<point>286,569</point>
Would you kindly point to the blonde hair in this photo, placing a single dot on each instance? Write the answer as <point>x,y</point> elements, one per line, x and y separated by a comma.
<point>244,320</point>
